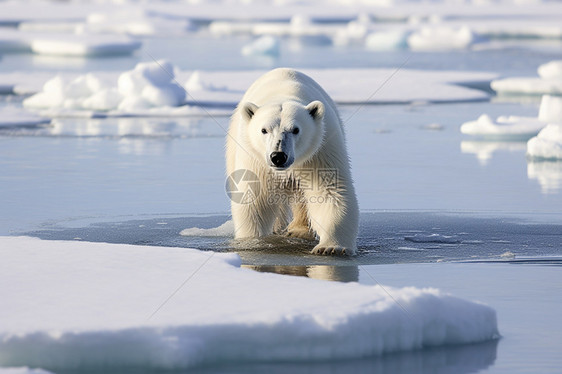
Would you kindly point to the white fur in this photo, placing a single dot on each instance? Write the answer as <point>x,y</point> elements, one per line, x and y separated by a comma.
<point>278,102</point>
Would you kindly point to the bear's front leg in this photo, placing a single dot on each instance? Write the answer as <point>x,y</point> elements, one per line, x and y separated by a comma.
<point>252,220</point>
<point>335,219</point>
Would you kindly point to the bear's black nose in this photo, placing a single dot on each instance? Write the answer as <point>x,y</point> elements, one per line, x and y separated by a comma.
<point>278,158</point>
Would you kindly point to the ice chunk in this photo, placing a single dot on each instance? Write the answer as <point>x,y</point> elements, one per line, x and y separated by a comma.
<point>547,144</point>
<point>387,40</point>
<point>104,100</point>
<point>92,305</point>
<point>226,229</point>
<point>550,82</point>
<point>441,38</point>
<point>551,109</point>
<point>263,46</point>
<point>148,85</point>
<point>504,126</point>
<point>527,86</point>
<point>551,70</point>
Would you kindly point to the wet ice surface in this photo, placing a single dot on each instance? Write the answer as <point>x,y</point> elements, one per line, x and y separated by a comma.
<point>384,238</point>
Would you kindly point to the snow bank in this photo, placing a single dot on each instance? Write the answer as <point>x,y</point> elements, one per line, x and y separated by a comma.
<point>263,46</point>
<point>550,82</point>
<point>503,127</point>
<point>147,86</point>
<point>547,144</point>
<point>441,38</point>
<point>85,305</point>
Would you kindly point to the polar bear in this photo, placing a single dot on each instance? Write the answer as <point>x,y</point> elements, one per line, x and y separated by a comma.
<point>286,133</point>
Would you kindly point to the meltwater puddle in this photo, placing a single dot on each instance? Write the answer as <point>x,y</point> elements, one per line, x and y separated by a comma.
<point>384,238</point>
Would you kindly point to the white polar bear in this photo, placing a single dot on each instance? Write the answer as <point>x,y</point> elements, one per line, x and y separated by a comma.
<point>287,131</point>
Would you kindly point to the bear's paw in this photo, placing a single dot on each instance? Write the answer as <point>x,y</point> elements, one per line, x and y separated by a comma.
<point>329,250</point>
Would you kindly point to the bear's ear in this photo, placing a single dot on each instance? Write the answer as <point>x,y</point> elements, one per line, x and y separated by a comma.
<point>316,110</point>
<point>248,110</point>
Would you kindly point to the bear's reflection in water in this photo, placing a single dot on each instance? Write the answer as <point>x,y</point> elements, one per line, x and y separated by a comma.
<point>323,272</point>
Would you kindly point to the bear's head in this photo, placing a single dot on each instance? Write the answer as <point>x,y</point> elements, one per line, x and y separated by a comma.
<point>283,135</point>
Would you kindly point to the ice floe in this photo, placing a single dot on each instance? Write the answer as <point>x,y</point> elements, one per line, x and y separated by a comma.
<point>551,70</point>
<point>515,127</point>
<point>503,127</point>
<point>548,82</point>
<point>16,117</point>
<point>83,305</point>
<point>147,86</point>
<point>442,38</point>
<point>152,89</point>
<point>547,144</point>
<point>263,46</point>
<point>387,40</point>
<point>82,44</point>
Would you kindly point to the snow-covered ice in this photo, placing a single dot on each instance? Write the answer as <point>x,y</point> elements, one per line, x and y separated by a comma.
<point>83,44</point>
<point>548,82</point>
<point>550,111</point>
<point>547,144</point>
<point>13,117</point>
<point>226,230</point>
<point>147,86</point>
<point>551,70</point>
<point>79,305</point>
<point>503,127</point>
<point>387,40</point>
<point>152,88</point>
<point>440,38</point>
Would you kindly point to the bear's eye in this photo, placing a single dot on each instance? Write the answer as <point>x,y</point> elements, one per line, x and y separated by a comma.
<point>296,130</point>
<point>263,131</point>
